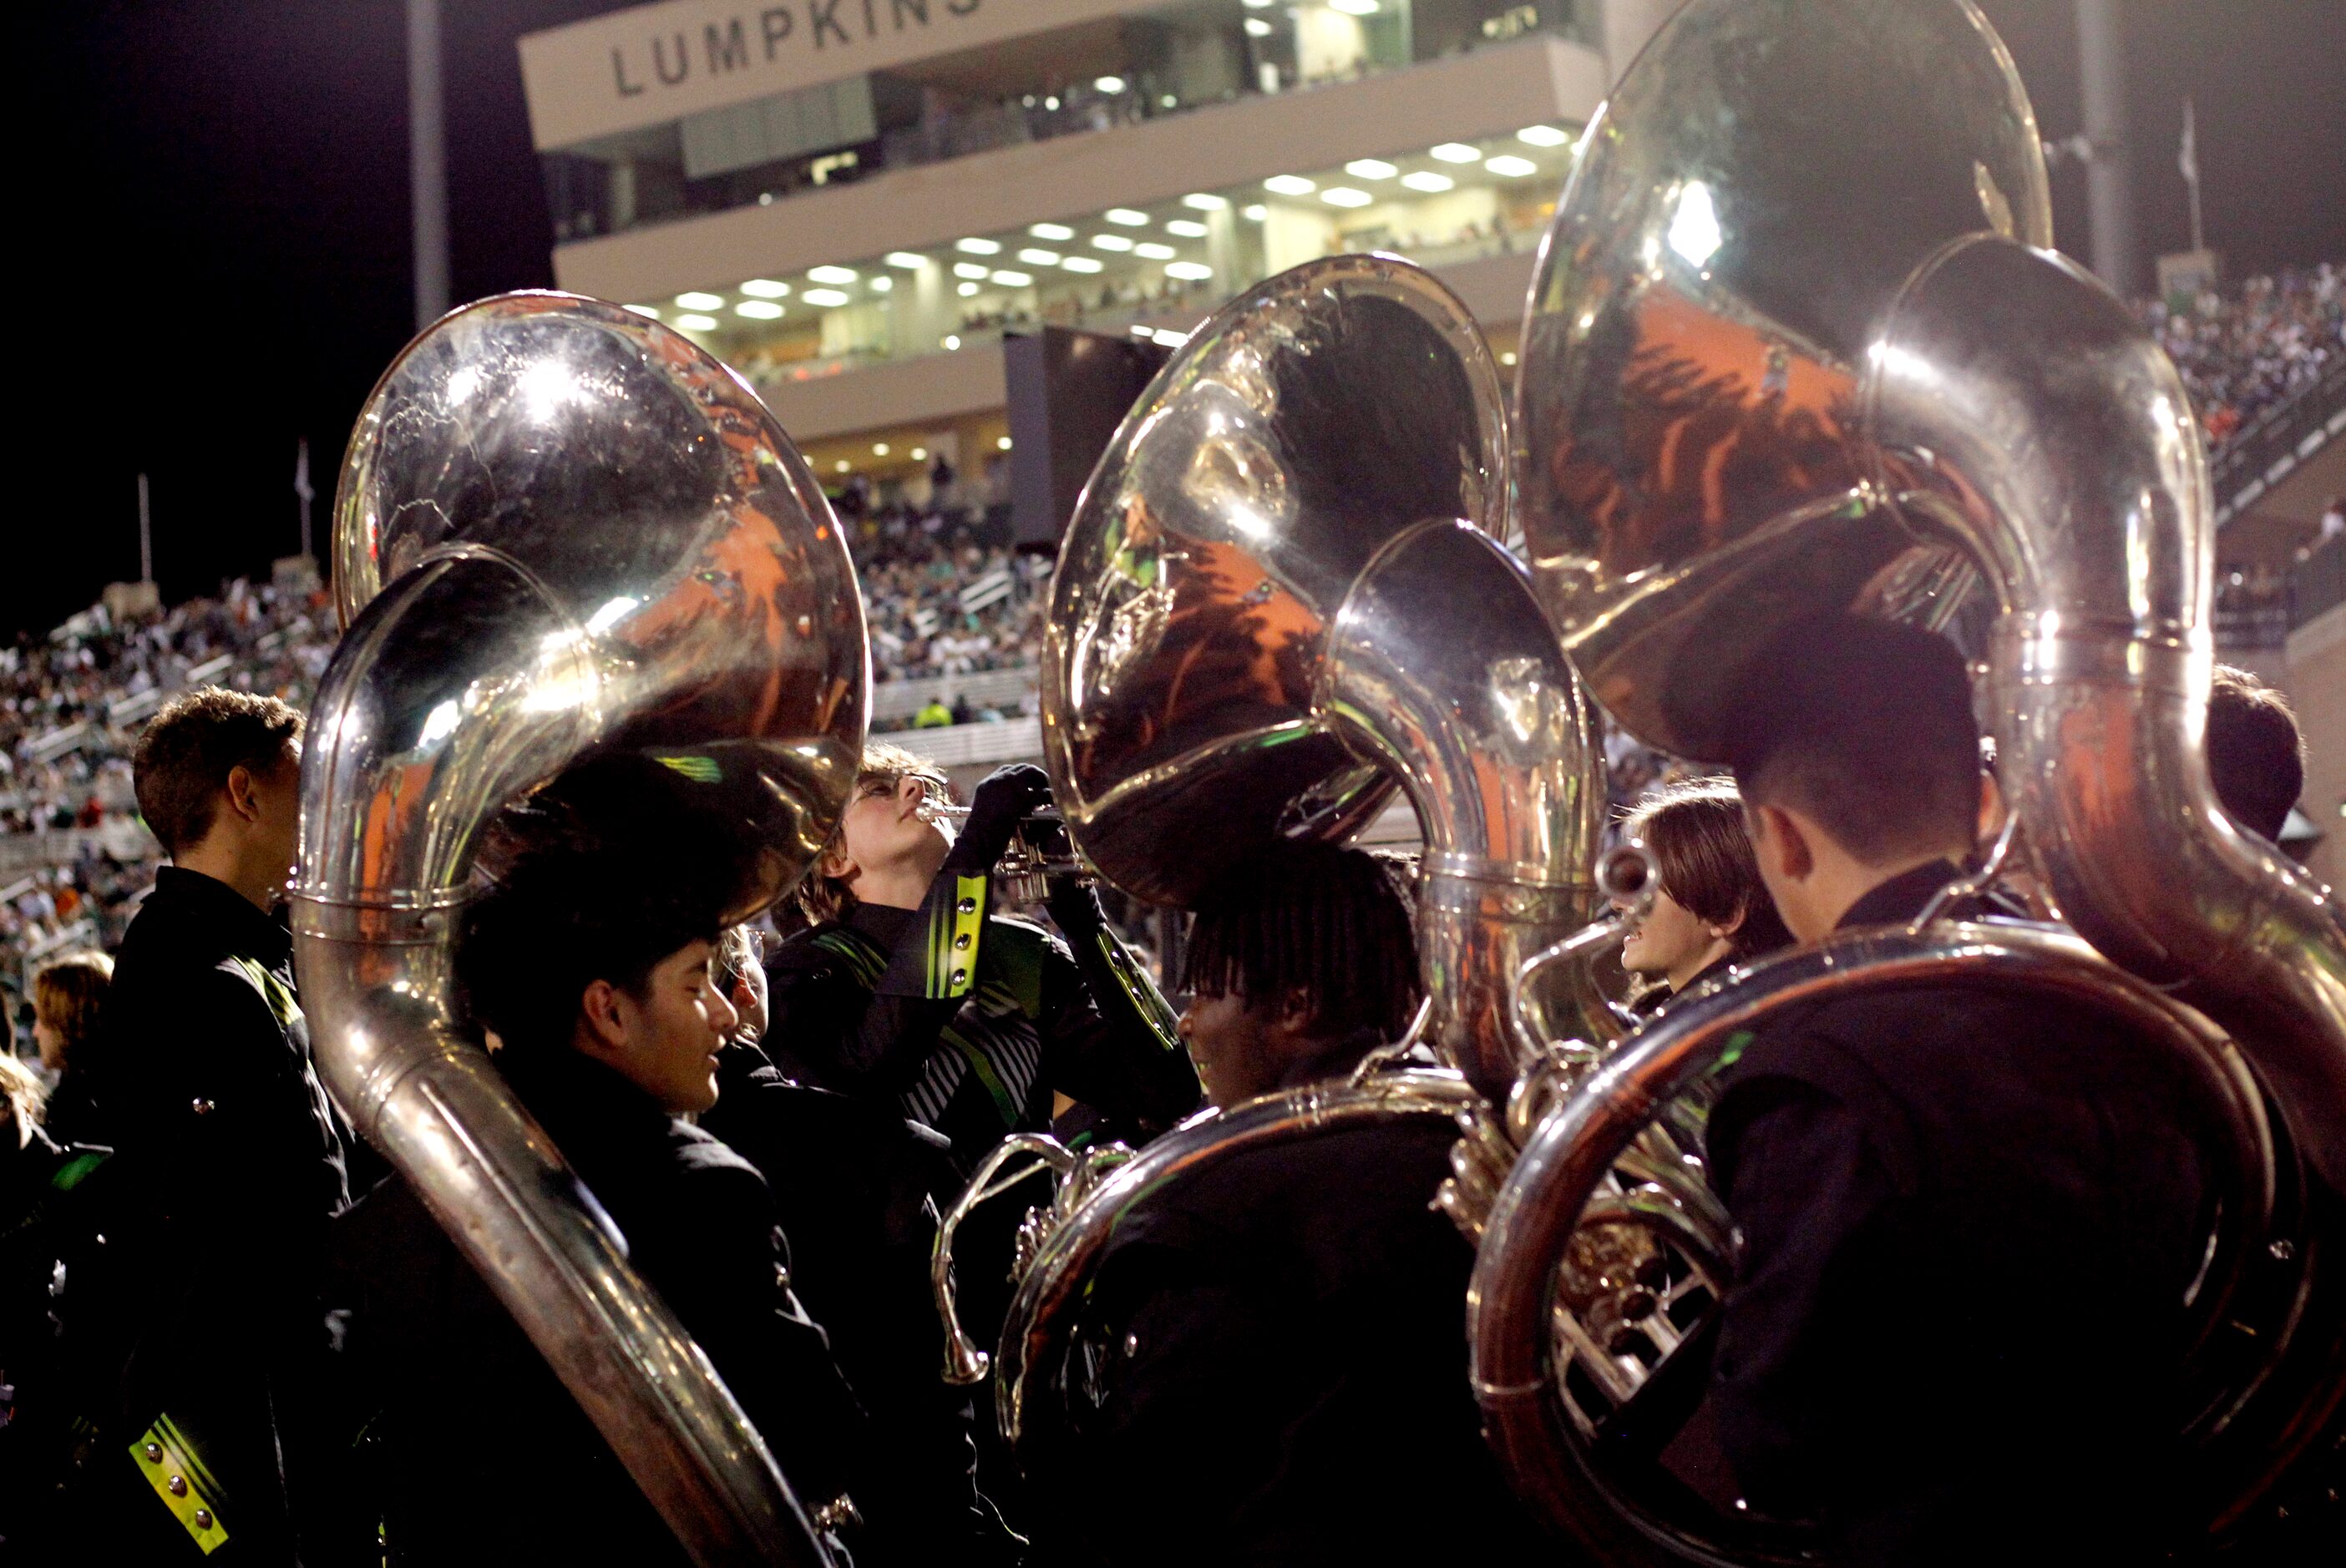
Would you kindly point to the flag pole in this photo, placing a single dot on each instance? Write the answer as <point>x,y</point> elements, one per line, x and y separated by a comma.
<point>301,488</point>
<point>2188,162</point>
<point>145,538</point>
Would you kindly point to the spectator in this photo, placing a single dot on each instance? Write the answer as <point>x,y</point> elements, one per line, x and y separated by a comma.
<point>66,997</point>
<point>934,715</point>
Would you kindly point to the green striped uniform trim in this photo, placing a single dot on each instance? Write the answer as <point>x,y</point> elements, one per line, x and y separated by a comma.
<point>983,1066</point>
<point>1141,991</point>
<point>952,964</point>
<point>282,1004</point>
<point>867,960</point>
<point>71,1174</point>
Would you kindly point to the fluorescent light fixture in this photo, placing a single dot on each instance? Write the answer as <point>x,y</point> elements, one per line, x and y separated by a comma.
<point>1001,444</point>
<point>1189,271</point>
<point>920,454</point>
<point>1288,185</point>
<point>697,300</point>
<point>978,246</point>
<point>1126,216</point>
<point>1543,135</point>
<point>1257,27</point>
<point>766,289</point>
<point>831,274</point>
<point>1185,227</point>
<point>1345,196</point>
<point>1035,257</point>
<point>824,297</point>
<point>840,467</point>
<point>966,289</point>
<point>1111,242</point>
<point>1255,212</point>
<point>1425,179</point>
<point>1457,152</point>
<point>1371,168</point>
<point>1694,228</point>
<point>1507,166</point>
<point>1108,84</point>
<point>952,341</point>
<point>1154,251</point>
<point>879,449</point>
<point>1013,279</point>
<point>1260,4</point>
<point>758,310</point>
<point>1508,358</point>
<point>1052,103</point>
<point>1050,231</point>
<point>1082,263</point>
<point>645,310</point>
<point>1354,7</point>
<point>1199,201</point>
<point>881,284</point>
<point>697,323</point>
<point>971,270</point>
<point>910,260</point>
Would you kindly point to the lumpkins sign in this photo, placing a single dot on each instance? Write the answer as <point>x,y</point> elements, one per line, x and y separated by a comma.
<point>656,62</point>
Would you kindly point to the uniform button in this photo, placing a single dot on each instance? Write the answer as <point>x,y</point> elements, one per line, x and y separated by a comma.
<point>962,942</point>
<point>154,1452</point>
<point>1132,1344</point>
<point>202,1107</point>
<point>960,975</point>
<point>781,1277</point>
<point>967,906</point>
<point>178,1485</point>
<point>203,1519</point>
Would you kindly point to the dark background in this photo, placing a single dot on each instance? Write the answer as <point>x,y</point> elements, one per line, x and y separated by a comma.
<point>214,235</point>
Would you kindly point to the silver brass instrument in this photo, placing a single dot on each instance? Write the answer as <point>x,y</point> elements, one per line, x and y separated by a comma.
<point>1023,875</point>
<point>1255,628</point>
<point>1797,342</point>
<point>562,531</point>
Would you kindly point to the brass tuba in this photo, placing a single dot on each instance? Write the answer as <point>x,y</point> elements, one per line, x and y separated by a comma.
<point>1257,624</point>
<point>1797,341</point>
<point>563,531</point>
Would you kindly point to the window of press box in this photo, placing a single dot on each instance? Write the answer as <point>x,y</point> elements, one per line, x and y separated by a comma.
<point>1092,75</point>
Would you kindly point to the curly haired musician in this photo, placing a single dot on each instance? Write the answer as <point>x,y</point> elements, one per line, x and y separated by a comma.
<point>1970,1216</point>
<point>1279,1345</point>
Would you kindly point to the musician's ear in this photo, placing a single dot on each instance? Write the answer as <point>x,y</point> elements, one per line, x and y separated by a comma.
<point>1781,842</point>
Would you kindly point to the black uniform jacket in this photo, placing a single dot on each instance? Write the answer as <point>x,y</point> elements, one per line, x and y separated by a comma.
<point>857,1188</point>
<point>1970,1217</point>
<point>473,1452</point>
<point>230,1162</point>
<point>968,1024</point>
<point>1280,1368</point>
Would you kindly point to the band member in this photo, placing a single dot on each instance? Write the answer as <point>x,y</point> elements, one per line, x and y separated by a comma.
<point>1710,909</point>
<point>856,1185</point>
<point>1277,1339</point>
<point>908,987</point>
<point>1919,1172</point>
<point>589,964</point>
<point>2255,757</point>
<point>196,1315</point>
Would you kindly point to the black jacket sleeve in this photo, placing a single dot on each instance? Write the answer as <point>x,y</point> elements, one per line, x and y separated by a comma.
<point>1109,1038</point>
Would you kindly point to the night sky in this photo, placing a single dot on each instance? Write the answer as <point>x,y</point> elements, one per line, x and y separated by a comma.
<point>215,208</point>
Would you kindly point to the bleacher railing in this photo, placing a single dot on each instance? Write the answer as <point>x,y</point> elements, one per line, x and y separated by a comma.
<point>2318,583</point>
<point>2263,452</point>
<point>1011,740</point>
<point>1002,689</point>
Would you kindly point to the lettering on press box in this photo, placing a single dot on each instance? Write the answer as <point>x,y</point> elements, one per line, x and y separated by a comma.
<point>671,59</point>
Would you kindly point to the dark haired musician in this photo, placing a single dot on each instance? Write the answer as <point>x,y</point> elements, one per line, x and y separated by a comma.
<point>908,988</point>
<point>1710,909</point>
<point>589,962</point>
<point>1277,1339</point>
<point>1969,1217</point>
<point>2255,757</point>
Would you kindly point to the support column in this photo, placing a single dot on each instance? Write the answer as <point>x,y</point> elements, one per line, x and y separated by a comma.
<point>2109,184</point>
<point>427,162</point>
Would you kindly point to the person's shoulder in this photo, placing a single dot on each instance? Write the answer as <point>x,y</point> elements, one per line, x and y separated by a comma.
<point>832,950</point>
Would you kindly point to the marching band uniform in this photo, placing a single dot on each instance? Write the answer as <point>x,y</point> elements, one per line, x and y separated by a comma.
<point>1970,1218</point>
<point>1270,1345</point>
<point>475,1451</point>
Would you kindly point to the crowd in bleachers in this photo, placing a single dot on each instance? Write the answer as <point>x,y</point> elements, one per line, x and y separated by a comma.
<point>943,594</point>
<point>2241,354</point>
<point>72,859</point>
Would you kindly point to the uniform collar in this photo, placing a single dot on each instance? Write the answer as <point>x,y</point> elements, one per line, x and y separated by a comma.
<point>221,910</point>
<point>1334,1060</point>
<point>1902,898</point>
